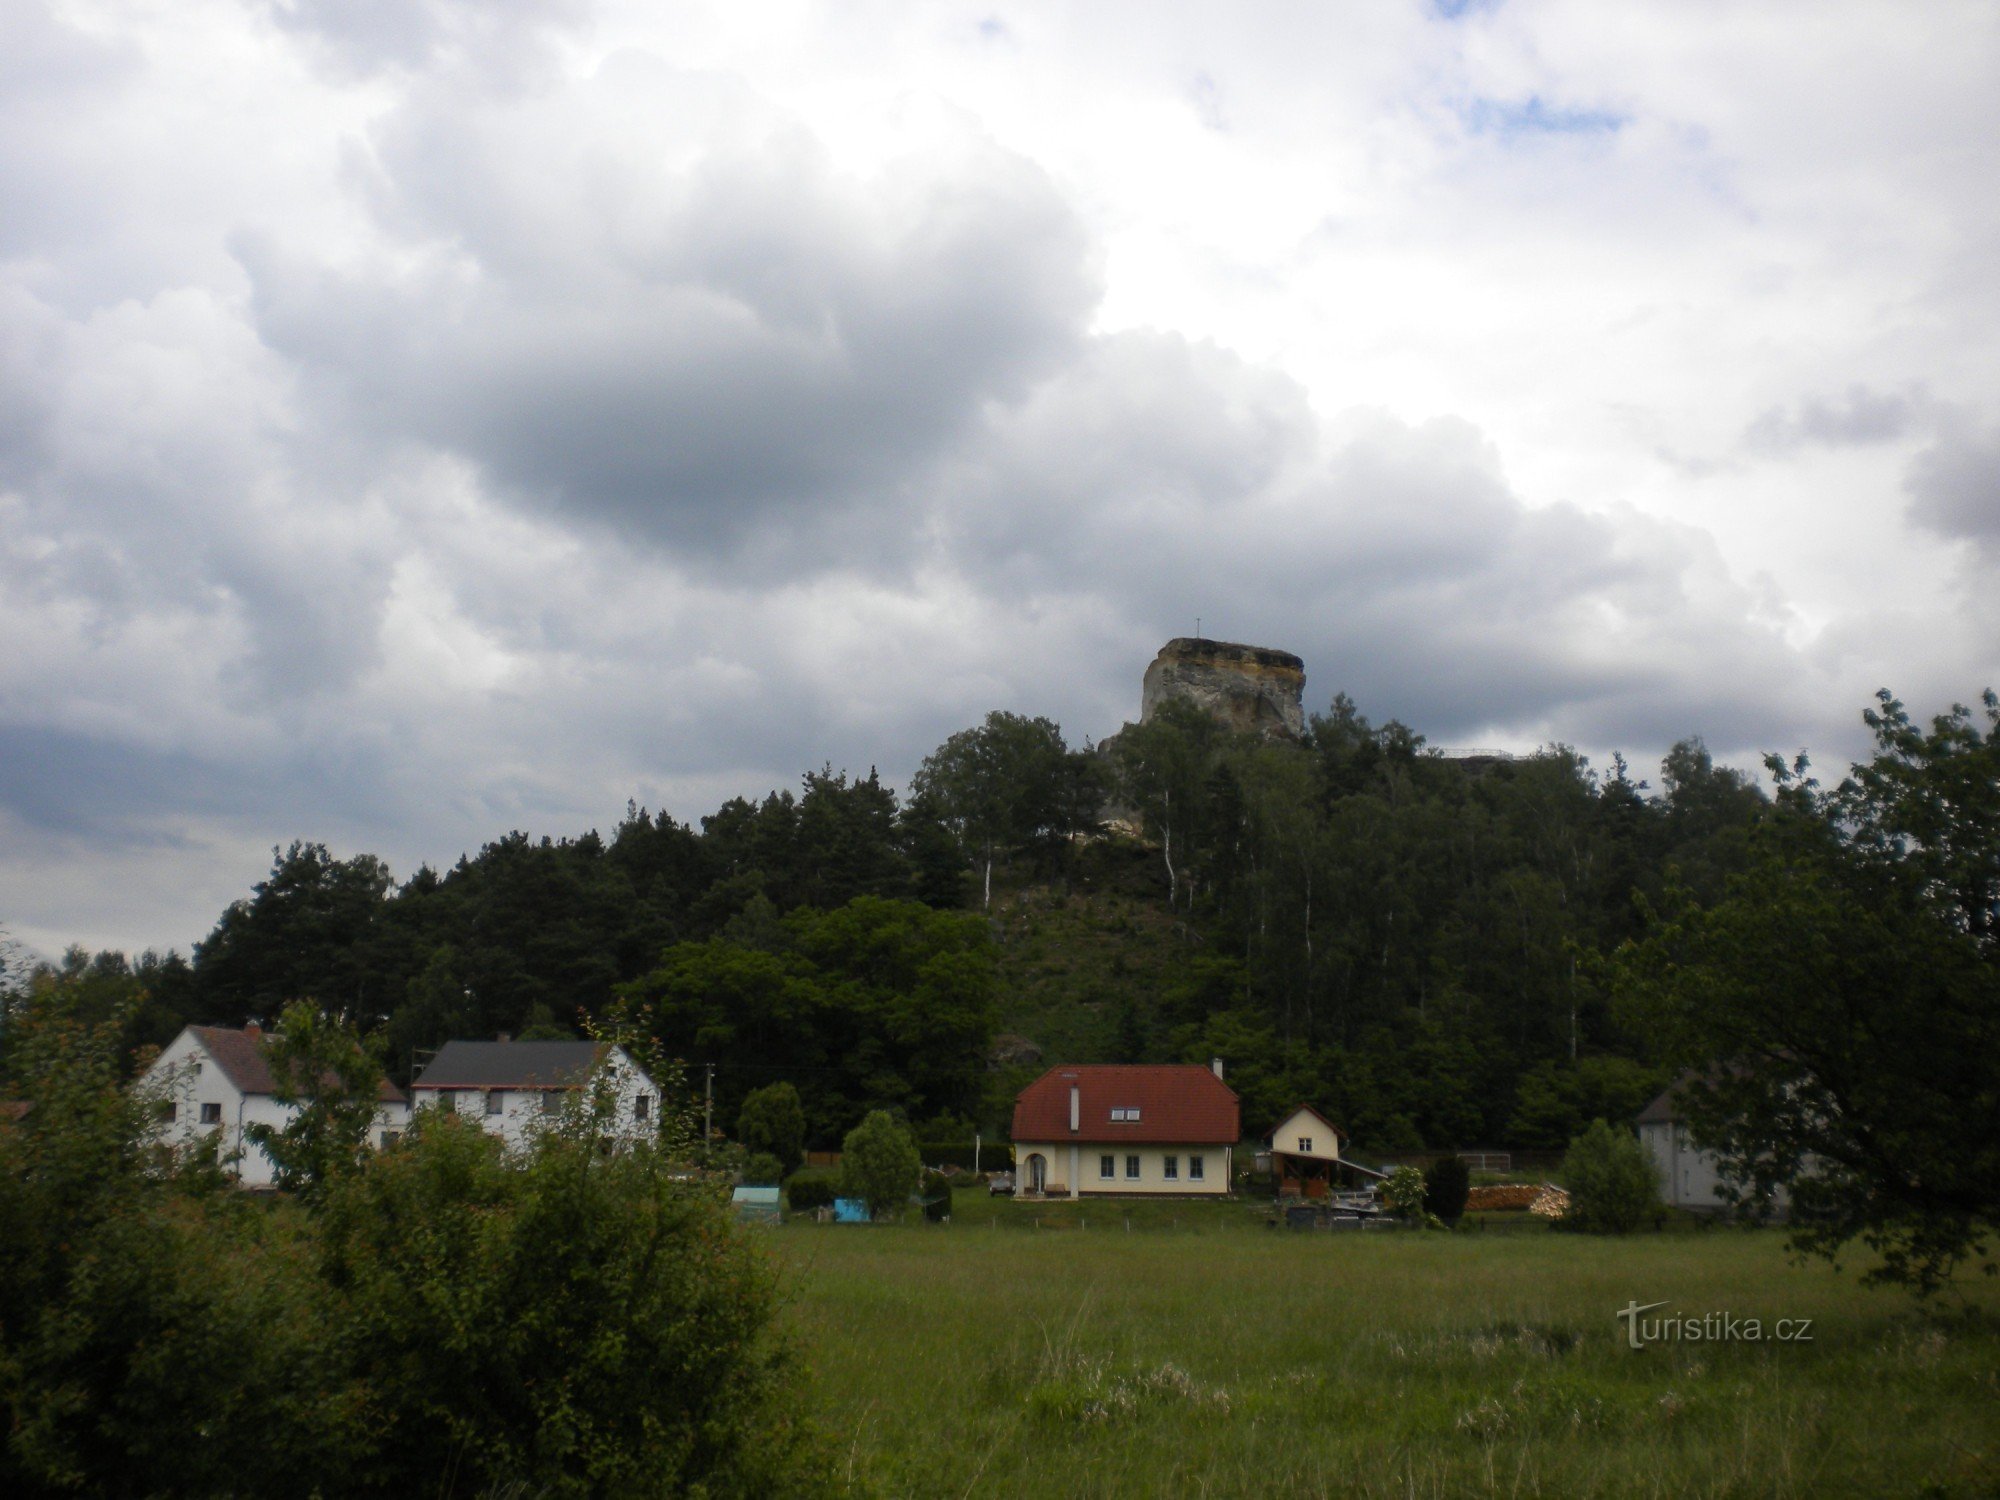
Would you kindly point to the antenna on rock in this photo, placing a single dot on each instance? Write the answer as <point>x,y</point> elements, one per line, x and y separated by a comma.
<point>1197,627</point>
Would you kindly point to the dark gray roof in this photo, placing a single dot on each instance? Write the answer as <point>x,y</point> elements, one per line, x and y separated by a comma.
<point>1662,1111</point>
<point>510,1065</point>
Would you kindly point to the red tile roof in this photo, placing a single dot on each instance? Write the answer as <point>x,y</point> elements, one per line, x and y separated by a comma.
<point>240,1055</point>
<point>1177,1104</point>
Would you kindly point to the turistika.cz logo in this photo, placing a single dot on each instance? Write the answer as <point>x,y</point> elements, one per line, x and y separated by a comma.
<point>1708,1328</point>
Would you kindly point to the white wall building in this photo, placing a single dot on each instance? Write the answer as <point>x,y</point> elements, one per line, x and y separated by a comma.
<point>513,1088</point>
<point>1689,1177</point>
<point>212,1082</point>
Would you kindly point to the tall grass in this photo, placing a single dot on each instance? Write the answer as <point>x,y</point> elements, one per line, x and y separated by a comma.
<point>1222,1358</point>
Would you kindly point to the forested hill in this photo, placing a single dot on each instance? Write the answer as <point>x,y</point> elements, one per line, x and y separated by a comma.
<point>1404,939</point>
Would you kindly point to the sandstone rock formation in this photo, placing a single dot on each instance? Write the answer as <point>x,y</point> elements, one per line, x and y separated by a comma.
<point>1252,689</point>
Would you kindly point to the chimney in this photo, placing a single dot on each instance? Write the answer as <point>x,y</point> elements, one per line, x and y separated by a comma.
<point>1075,1108</point>
<point>1215,1066</point>
<point>252,1029</point>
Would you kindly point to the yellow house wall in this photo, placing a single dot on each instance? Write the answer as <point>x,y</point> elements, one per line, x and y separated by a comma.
<point>1152,1178</point>
<point>1326,1144</point>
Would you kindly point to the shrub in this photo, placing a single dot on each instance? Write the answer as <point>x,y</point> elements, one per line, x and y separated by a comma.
<point>1446,1186</point>
<point>763,1170</point>
<point>1610,1180</point>
<point>1404,1192</point>
<point>773,1120</point>
<point>574,1322</point>
<point>937,1197</point>
<point>442,1318</point>
<point>815,1187</point>
<point>879,1163</point>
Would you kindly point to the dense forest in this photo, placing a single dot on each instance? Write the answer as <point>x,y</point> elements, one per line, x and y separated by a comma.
<point>1408,940</point>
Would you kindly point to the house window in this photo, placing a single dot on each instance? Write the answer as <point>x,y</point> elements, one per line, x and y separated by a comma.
<point>1131,1169</point>
<point>1305,1143</point>
<point>211,1114</point>
<point>1194,1169</point>
<point>169,1112</point>
<point>1173,1168</point>
<point>1125,1114</point>
<point>642,1107</point>
<point>390,1137</point>
<point>1107,1167</point>
<point>496,1101</point>
<point>552,1101</point>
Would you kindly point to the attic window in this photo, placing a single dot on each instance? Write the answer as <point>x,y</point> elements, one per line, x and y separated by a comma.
<point>1124,1114</point>
<point>1305,1143</point>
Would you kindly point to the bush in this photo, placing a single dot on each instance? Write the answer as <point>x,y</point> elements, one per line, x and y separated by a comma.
<point>1404,1193</point>
<point>763,1170</point>
<point>1610,1181</point>
<point>1446,1185</point>
<point>773,1120</point>
<point>815,1187</point>
<point>937,1197</point>
<point>441,1318</point>
<point>879,1163</point>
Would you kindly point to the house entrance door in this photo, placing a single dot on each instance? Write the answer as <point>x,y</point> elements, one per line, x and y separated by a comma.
<point>1038,1172</point>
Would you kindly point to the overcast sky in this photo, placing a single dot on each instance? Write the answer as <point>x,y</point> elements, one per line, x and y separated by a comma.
<point>422,419</point>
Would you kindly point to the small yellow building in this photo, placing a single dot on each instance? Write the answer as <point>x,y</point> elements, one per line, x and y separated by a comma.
<point>1306,1159</point>
<point>1156,1129</point>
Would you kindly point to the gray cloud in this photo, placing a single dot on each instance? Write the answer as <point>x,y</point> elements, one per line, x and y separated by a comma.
<point>529,442</point>
<point>755,342</point>
<point>1954,484</point>
<point>366,36</point>
<point>1858,417</point>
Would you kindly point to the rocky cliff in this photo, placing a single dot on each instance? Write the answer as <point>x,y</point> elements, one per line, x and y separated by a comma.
<point>1250,688</point>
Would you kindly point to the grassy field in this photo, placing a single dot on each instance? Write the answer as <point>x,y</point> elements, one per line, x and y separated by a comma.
<point>1198,1352</point>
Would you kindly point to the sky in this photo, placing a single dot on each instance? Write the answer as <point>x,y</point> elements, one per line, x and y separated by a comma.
<point>424,419</point>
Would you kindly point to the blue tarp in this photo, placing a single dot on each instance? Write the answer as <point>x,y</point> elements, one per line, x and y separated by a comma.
<point>850,1211</point>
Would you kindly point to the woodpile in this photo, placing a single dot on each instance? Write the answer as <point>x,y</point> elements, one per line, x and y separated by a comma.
<point>1508,1195</point>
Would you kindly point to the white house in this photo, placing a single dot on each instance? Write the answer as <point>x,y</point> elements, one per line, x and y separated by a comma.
<point>211,1082</point>
<point>512,1087</point>
<point>1689,1177</point>
<point>1111,1128</point>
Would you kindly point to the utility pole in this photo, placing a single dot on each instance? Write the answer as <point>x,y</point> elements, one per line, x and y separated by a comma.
<point>708,1112</point>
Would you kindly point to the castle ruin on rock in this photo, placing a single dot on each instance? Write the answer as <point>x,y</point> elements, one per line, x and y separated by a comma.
<point>1251,689</point>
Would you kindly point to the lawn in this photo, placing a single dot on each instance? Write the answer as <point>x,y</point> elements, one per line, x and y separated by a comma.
<point>1197,1352</point>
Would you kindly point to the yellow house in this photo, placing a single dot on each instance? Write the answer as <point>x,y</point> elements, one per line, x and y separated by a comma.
<point>1108,1128</point>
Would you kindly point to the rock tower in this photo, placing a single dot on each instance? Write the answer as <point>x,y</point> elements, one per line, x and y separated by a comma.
<point>1249,688</point>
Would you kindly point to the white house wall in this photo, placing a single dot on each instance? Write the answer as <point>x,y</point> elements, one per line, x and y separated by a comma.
<point>186,1076</point>
<point>523,1112</point>
<point>1325,1139</point>
<point>1688,1177</point>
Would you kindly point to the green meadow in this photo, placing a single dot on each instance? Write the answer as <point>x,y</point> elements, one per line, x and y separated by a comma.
<point>1192,1350</point>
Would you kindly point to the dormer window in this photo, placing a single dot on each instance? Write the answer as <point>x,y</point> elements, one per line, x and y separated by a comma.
<point>1125,1114</point>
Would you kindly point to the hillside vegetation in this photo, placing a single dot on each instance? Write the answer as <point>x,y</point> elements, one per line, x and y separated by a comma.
<point>1415,943</point>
